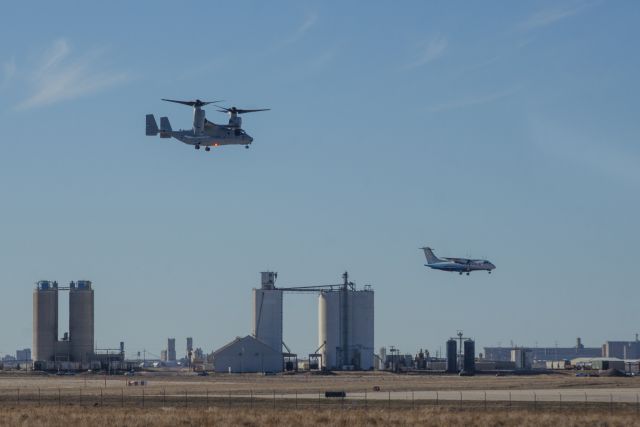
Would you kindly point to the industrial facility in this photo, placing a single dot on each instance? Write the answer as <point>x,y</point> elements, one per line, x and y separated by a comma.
<point>622,349</point>
<point>76,348</point>
<point>460,359</point>
<point>345,341</point>
<point>545,353</point>
<point>610,349</point>
<point>345,330</point>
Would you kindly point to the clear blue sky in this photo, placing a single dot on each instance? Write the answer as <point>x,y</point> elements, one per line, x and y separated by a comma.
<point>505,130</point>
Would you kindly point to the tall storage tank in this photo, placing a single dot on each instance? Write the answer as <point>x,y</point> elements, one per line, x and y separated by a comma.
<point>452,356</point>
<point>189,347</point>
<point>523,358</point>
<point>346,329</point>
<point>362,328</point>
<point>469,360</point>
<point>329,329</point>
<point>171,349</point>
<point>267,312</point>
<point>81,317</point>
<point>45,320</point>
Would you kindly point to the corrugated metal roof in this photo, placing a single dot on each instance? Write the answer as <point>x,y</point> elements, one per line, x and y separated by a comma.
<point>238,340</point>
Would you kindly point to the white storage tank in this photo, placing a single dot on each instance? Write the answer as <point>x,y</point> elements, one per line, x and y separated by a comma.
<point>267,312</point>
<point>523,358</point>
<point>346,329</point>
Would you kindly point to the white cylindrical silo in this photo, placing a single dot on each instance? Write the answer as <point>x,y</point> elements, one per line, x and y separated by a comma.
<point>267,317</point>
<point>361,319</point>
<point>81,318</point>
<point>45,320</point>
<point>329,329</point>
<point>345,329</point>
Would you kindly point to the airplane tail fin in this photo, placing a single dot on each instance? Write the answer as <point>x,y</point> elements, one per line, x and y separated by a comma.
<point>152,126</point>
<point>431,258</point>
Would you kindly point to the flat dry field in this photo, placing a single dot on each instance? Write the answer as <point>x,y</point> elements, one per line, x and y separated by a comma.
<point>172,398</point>
<point>313,383</point>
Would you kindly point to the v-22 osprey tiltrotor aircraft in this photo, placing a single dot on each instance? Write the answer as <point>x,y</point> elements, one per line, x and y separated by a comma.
<point>204,132</point>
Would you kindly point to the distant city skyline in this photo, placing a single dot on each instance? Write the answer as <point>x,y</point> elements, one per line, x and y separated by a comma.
<point>494,130</point>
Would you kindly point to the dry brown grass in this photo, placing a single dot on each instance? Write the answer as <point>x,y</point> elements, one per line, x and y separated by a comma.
<point>94,417</point>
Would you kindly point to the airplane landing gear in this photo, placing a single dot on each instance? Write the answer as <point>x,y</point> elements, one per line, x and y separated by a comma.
<point>246,146</point>
<point>207,148</point>
<point>489,271</point>
<point>197,146</point>
<point>467,273</point>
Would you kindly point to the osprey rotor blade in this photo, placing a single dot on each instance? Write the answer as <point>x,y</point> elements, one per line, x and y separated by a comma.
<point>234,110</point>
<point>189,103</point>
<point>196,103</point>
<point>253,111</point>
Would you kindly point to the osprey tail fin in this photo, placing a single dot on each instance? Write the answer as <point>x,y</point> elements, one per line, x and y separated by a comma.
<point>152,126</point>
<point>165,126</point>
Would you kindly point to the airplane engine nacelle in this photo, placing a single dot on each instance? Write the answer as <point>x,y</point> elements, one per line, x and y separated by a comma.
<point>198,121</point>
<point>235,121</point>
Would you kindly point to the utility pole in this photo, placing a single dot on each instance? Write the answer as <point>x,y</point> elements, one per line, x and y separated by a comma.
<point>344,320</point>
<point>460,356</point>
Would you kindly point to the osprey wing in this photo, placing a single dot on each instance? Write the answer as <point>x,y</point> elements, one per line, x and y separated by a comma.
<point>209,125</point>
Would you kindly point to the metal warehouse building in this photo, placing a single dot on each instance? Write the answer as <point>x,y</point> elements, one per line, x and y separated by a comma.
<point>247,354</point>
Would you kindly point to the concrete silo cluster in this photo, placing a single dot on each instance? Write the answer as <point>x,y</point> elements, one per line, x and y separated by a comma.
<point>76,345</point>
<point>345,330</point>
<point>462,361</point>
<point>76,348</point>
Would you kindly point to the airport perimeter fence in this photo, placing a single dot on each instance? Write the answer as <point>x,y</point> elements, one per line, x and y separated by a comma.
<point>620,401</point>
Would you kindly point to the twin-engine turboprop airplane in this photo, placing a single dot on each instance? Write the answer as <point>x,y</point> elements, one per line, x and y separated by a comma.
<point>204,133</point>
<point>460,265</point>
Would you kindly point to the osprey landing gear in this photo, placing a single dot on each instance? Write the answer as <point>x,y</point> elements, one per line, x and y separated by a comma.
<point>246,146</point>
<point>207,148</point>
<point>197,146</point>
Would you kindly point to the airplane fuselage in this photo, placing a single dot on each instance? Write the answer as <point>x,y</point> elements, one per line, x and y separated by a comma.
<point>211,137</point>
<point>461,268</point>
